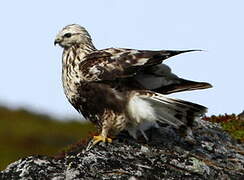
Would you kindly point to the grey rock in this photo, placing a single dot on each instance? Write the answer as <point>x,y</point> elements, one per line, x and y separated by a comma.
<point>241,115</point>
<point>167,155</point>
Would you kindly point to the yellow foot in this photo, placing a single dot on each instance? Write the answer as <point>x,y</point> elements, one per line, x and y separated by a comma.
<point>97,139</point>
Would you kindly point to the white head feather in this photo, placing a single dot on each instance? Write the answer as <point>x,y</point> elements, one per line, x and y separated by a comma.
<point>73,34</point>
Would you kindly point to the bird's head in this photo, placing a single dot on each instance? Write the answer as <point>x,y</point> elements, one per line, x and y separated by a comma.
<point>72,34</point>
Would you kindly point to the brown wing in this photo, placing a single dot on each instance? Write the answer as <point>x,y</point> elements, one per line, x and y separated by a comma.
<point>111,64</point>
<point>159,78</point>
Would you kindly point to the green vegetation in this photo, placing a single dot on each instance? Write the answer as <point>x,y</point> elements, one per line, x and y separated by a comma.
<point>233,124</point>
<point>23,133</point>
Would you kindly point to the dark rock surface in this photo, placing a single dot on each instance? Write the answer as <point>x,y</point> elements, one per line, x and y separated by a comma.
<point>210,154</point>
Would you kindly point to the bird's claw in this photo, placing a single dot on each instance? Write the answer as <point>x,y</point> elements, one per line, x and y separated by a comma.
<point>96,140</point>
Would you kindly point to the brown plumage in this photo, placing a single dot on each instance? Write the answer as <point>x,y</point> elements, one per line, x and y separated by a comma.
<point>121,89</point>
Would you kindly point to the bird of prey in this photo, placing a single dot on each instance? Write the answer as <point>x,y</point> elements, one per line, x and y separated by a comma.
<point>123,89</point>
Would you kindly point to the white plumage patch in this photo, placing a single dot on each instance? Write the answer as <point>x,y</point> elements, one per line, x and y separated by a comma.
<point>142,116</point>
<point>140,110</point>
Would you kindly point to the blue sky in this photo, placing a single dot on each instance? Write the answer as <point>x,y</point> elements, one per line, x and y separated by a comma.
<point>30,70</point>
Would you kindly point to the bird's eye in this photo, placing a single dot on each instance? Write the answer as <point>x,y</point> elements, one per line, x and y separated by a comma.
<point>67,35</point>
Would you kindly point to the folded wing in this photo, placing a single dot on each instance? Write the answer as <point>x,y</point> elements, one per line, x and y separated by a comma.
<point>159,78</point>
<point>143,66</point>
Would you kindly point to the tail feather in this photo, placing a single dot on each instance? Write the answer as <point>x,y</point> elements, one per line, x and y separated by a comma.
<point>174,111</point>
<point>145,108</point>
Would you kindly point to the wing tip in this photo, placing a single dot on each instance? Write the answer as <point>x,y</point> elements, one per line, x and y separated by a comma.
<point>192,50</point>
<point>203,85</point>
<point>172,53</point>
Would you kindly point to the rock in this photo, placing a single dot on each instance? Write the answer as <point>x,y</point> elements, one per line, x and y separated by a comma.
<point>167,155</point>
<point>241,116</point>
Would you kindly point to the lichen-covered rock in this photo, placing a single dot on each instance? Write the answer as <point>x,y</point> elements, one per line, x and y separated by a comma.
<point>212,154</point>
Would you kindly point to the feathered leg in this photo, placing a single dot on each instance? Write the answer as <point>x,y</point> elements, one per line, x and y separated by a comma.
<point>112,124</point>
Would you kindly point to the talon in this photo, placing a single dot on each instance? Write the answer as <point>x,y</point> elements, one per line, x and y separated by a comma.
<point>97,139</point>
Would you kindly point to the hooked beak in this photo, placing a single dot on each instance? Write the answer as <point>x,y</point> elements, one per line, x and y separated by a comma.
<point>57,41</point>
